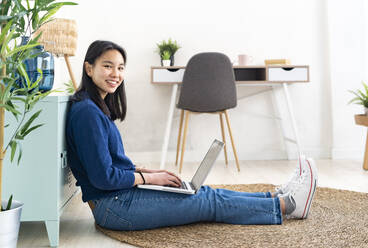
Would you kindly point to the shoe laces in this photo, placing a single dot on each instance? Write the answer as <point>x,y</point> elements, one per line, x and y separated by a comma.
<point>297,184</point>
<point>291,181</point>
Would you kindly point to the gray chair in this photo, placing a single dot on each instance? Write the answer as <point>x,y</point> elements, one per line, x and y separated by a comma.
<point>208,87</point>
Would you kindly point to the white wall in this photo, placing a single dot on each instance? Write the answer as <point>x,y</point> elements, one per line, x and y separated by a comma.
<point>293,29</point>
<point>348,53</point>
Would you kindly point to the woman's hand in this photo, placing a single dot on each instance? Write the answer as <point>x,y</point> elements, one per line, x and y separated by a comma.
<point>162,177</point>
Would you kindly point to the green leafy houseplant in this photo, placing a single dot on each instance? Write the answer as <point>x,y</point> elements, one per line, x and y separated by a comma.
<point>19,19</point>
<point>166,55</point>
<point>69,87</point>
<point>361,97</point>
<point>171,46</point>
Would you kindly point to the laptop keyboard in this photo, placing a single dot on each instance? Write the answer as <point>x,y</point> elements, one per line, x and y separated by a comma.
<point>183,186</point>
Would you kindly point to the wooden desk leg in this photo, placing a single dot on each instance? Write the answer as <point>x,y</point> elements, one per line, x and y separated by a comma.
<point>365,163</point>
<point>168,126</point>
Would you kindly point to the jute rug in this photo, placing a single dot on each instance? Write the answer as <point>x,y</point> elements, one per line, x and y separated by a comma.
<point>338,218</point>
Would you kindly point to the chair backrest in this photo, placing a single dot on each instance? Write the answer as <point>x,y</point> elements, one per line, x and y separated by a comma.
<point>208,84</point>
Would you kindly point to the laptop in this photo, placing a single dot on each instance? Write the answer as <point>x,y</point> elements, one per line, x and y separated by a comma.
<point>198,178</point>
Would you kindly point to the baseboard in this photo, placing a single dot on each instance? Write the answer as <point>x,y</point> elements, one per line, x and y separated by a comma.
<point>347,154</point>
<point>195,156</point>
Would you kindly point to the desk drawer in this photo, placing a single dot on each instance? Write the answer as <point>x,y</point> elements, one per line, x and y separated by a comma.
<point>167,75</point>
<point>288,74</point>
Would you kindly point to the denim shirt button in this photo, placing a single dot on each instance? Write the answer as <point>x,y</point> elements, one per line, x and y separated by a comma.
<point>116,198</point>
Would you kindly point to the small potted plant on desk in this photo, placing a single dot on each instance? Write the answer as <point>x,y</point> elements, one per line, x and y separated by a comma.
<point>171,46</point>
<point>361,97</point>
<point>16,86</point>
<point>166,58</point>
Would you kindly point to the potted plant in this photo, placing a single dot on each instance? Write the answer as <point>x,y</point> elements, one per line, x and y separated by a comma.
<point>170,46</point>
<point>361,97</point>
<point>69,87</point>
<point>166,58</point>
<point>18,19</point>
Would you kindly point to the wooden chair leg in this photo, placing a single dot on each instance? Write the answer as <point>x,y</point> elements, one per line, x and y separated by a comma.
<point>232,140</point>
<point>184,139</point>
<point>365,163</point>
<point>179,136</point>
<point>223,136</point>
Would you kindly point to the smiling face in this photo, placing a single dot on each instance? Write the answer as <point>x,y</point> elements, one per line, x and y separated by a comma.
<point>107,72</point>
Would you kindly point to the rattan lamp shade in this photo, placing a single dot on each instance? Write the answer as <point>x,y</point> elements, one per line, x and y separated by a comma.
<point>59,37</point>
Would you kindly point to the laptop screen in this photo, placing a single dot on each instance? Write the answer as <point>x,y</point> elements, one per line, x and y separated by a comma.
<point>206,164</point>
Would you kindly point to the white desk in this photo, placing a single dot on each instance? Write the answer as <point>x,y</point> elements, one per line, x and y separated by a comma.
<point>277,77</point>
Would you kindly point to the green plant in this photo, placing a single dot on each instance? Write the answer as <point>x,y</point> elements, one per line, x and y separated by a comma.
<point>361,97</point>
<point>170,46</point>
<point>69,87</point>
<point>16,20</point>
<point>166,55</point>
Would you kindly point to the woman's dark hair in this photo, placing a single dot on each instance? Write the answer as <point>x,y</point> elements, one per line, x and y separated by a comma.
<point>114,105</point>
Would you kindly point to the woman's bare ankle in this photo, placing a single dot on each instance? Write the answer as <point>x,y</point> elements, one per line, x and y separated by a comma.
<point>282,205</point>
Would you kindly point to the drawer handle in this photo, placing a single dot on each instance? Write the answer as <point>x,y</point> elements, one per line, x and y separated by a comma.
<point>287,68</point>
<point>173,70</point>
<point>64,162</point>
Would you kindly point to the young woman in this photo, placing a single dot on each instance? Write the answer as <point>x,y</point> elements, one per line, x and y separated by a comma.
<point>108,177</point>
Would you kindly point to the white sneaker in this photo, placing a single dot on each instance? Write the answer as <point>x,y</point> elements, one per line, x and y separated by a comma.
<point>285,188</point>
<point>304,190</point>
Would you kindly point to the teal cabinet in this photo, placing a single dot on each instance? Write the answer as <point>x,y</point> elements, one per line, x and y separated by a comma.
<point>43,179</point>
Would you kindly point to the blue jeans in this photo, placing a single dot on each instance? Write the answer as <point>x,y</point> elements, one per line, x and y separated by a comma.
<point>140,209</point>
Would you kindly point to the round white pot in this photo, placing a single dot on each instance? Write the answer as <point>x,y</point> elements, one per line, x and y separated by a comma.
<point>9,224</point>
<point>166,62</point>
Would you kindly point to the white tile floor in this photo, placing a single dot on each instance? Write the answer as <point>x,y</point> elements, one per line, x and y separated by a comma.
<point>77,228</point>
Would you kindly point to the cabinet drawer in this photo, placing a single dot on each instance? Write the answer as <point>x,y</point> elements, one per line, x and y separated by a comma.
<point>167,75</point>
<point>288,74</point>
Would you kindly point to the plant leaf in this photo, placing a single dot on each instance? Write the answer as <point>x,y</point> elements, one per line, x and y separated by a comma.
<point>9,203</point>
<point>4,32</point>
<point>10,108</point>
<point>354,100</point>
<point>50,14</point>
<point>35,84</point>
<point>29,122</point>
<point>31,129</point>
<point>4,18</point>
<point>20,153</point>
<point>6,94</point>
<point>53,5</point>
<point>24,74</point>
<point>15,114</point>
<point>13,146</point>
<point>6,42</point>
<point>21,49</point>
<point>5,7</point>
<point>17,98</point>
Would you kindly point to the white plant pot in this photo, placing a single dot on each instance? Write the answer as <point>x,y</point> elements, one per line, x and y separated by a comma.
<point>166,62</point>
<point>9,224</point>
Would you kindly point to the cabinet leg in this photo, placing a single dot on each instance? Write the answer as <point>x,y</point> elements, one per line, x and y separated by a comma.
<point>52,227</point>
<point>365,163</point>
